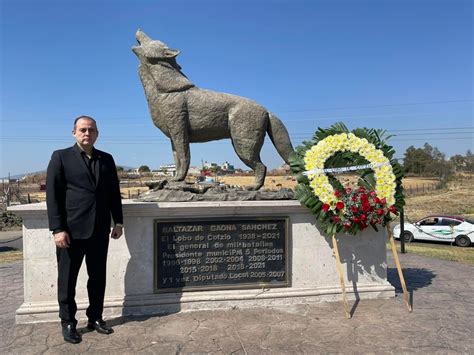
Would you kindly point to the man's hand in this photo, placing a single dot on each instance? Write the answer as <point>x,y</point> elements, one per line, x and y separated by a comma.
<point>62,240</point>
<point>116,232</point>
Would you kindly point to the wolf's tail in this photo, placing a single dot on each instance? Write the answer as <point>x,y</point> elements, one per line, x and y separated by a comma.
<point>280,137</point>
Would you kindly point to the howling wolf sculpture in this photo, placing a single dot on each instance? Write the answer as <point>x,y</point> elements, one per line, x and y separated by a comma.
<point>187,114</point>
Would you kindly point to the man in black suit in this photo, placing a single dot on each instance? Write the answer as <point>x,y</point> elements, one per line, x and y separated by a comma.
<point>82,193</point>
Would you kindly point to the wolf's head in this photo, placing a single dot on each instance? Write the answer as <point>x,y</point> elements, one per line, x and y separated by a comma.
<point>151,51</point>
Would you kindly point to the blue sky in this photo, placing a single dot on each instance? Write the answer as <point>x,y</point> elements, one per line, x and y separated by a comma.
<point>404,66</point>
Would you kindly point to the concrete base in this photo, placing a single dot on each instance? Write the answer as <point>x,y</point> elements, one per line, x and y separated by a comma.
<point>313,275</point>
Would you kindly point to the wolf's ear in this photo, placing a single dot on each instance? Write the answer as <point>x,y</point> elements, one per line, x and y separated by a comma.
<point>170,53</point>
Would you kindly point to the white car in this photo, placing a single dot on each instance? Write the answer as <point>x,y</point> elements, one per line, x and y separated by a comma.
<point>439,228</point>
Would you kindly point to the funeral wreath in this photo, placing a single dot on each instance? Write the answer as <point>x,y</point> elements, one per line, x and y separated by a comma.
<point>350,209</point>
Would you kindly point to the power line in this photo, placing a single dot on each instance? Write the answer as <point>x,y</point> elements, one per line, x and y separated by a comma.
<point>384,105</point>
<point>296,110</point>
<point>428,129</point>
<point>441,129</point>
<point>224,141</point>
<point>441,138</point>
<point>160,140</point>
<point>364,117</point>
<point>434,131</point>
<point>305,135</point>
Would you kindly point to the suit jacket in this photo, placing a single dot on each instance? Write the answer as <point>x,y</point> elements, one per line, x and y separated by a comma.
<point>78,203</point>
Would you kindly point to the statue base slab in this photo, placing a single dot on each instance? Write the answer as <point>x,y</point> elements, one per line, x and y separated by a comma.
<point>130,270</point>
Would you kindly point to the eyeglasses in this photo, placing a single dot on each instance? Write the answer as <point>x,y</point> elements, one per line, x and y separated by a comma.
<point>84,130</point>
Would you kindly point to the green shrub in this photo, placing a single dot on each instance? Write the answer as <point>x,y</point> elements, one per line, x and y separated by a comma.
<point>8,220</point>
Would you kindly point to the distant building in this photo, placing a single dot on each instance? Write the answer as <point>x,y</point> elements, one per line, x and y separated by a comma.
<point>227,168</point>
<point>166,170</point>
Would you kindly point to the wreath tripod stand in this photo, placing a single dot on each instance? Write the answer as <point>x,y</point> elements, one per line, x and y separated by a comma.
<point>397,264</point>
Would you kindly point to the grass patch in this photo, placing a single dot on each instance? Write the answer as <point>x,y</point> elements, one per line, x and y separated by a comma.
<point>440,251</point>
<point>10,256</point>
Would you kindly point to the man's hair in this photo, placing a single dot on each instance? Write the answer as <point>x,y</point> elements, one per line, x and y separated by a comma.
<point>86,118</point>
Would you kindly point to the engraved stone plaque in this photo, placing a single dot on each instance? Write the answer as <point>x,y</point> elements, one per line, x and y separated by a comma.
<point>225,253</point>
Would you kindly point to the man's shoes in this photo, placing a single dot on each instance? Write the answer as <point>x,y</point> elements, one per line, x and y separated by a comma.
<point>100,326</point>
<point>70,333</point>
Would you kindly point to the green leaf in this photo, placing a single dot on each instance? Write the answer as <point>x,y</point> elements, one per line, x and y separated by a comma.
<point>302,179</point>
<point>317,207</point>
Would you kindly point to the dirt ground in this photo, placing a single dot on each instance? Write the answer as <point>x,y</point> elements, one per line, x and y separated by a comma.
<point>456,199</point>
<point>273,182</point>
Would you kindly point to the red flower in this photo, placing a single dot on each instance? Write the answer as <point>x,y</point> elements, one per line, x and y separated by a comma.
<point>380,212</point>
<point>325,207</point>
<point>339,205</point>
<point>338,193</point>
<point>366,207</point>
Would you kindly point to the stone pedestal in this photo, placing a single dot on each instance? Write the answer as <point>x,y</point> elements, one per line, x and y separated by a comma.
<point>130,287</point>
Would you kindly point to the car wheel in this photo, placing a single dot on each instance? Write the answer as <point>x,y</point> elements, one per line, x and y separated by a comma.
<point>463,241</point>
<point>408,237</point>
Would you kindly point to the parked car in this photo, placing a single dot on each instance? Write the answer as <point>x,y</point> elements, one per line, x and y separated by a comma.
<point>439,228</point>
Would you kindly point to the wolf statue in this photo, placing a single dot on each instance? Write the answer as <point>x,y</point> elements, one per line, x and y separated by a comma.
<point>187,114</point>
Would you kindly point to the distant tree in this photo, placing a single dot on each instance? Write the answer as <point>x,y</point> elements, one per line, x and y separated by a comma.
<point>214,169</point>
<point>144,169</point>
<point>459,162</point>
<point>438,165</point>
<point>415,161</point>
<point>427,161</point>
<point>469,161</point>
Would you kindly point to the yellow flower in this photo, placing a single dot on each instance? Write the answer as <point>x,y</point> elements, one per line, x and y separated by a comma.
<point>316,157</point>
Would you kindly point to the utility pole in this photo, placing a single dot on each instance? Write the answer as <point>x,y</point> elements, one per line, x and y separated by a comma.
<point>402,232</point>
<point>7,192</point>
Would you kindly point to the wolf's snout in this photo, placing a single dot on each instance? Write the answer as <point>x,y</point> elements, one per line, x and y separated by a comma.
<point>141,37</point>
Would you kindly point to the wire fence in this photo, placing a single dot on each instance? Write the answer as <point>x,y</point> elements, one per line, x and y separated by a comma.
<point>424,188</point>
<point>14,192</point>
